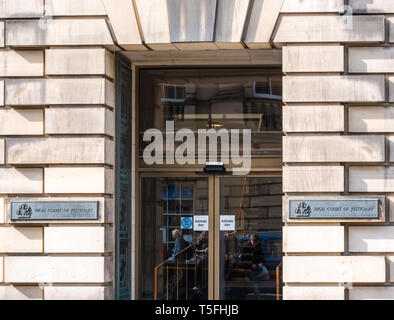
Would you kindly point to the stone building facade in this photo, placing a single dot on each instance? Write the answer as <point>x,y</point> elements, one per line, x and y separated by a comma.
<point>58,130</point>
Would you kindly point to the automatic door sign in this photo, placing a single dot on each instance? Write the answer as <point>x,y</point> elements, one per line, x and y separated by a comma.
<point>201,223</point>
<point>227,223</point>
<point>187,222</point>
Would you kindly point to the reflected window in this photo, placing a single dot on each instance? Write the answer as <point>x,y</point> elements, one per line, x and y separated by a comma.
<point>215,98</point>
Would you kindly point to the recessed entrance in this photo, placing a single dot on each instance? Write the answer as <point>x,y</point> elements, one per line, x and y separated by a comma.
<point>199,235</point>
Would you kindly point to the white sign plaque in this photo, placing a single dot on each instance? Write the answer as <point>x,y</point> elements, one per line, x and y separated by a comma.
<point>227,223</point>
<point>201,223</point>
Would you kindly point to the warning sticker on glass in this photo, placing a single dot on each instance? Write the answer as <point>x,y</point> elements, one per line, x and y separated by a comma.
<point>201,223</point>
<point>187,222</point>
<point>227,223</point>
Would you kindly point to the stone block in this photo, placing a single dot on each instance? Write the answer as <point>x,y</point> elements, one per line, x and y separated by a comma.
<point>58,32</point>
<point>371,119</point>
<point>191,21</point>
<point>20,293</point>
<point>2,93</point>
<point>375,6</point>
<point>2,210</point>
<point>155,25</point>
<point>79,180</point>
<point>21,8</point>
<point>330,28</point>
<point>21,63</point>
<point>390,200</point>
<point>313,58</point>
<point>79,62</point>
<point>371,179</point>
<point>77,239</point>
<point>313,179</point>
<point>313,293</point>
<point>21,181</point>
<point>334,89</point>
<point>312,6</point>
<point>17,122</point>
<point>60,151</point>
<point>21,240</point>
<point>391,266</point>
<point>2,148</point>
<point>263,18</point>
<point>123,22</point>
<point>77,293</point>
<point>371,60</point>
<point>323,148</point>
<point>230,23</point>
<point>391,147</point>
<point>371,293</point>
<point>371,239</point>
<point>307,239</point>
<point>83,120</point>
<point>318,118</point>
<point>391,89</point>
<point>75,8</point>
<point>57,269</point>
<point>30,92</point>
<point>334,269</point>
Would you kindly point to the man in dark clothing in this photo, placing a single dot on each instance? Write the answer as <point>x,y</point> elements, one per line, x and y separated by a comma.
<point>231,245</point>
<point>259,272</point>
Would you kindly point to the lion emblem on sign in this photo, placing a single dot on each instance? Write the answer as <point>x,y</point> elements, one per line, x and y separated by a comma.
<point>24,211</point>
<point>302,210</point>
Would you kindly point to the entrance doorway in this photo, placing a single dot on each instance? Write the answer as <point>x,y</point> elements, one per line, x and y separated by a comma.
<point>210,235</point>
<point>235,227</point>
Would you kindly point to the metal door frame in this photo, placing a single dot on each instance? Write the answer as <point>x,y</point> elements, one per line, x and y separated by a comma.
<point>216,217</point>
<point>123,127</point>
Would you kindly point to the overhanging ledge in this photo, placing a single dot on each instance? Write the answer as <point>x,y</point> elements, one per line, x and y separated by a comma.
<point>206,58</point>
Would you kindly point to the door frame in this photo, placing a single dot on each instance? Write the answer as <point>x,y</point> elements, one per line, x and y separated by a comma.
<point>216,214</point>
<point>243,58</point>
<point>211,210</point>
<point>214,181</point>
<point>123,99</point>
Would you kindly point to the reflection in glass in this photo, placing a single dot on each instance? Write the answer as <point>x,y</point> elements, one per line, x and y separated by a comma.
<point>212,98</point>
<point>174,260</point>
<point>251,254</point>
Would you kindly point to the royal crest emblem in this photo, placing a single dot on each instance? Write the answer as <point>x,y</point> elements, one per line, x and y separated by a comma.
<point>24,211</point>
<point>302,210</point>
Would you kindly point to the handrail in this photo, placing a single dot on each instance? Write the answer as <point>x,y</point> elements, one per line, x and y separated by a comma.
<point>278,281</point>
<point>156,269</point>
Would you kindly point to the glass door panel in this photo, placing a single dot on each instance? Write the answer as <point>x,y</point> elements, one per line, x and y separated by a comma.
<point>251,248</point>
<point>174,257</point>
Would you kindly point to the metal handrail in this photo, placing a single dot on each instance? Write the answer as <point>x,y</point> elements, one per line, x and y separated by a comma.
<point>278,281</point>
<point>156,269</point>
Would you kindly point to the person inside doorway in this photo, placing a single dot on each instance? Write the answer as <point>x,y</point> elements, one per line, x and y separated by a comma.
<point>201,253</point>
<point>179,245</point>
<point>177,290</point>
<point>231,254</point>
<point>259,272</point>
